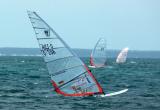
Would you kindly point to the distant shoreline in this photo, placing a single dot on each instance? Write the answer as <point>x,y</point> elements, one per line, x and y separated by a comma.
<point>12,51</point>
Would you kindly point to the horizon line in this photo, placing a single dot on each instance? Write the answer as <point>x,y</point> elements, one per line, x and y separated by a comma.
<point>76,48</point>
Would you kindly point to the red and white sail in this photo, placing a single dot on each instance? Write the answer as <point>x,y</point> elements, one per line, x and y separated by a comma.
<point>122,56</point>
<point>69,75</point>
<point>98,56</point>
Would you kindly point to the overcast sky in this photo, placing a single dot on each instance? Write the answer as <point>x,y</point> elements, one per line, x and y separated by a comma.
<point>131,23</point>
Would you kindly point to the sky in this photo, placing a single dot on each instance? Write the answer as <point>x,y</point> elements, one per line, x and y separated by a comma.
<point>80,23</point>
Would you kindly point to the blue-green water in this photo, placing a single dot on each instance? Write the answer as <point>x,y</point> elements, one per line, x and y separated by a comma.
<point>25,85</point>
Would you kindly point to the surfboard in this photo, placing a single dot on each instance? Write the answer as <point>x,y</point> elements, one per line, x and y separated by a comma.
<point>91,66</point>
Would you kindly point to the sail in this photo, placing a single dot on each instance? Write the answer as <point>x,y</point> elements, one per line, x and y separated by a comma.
<point>98,56</point>
<point>69,75</point>
<point>122,56</point>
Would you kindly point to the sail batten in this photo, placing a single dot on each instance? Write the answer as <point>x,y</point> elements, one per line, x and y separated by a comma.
<point>39,28</point>
<point>35,18</point>
<point>69,75</point>
<point>45,38</point>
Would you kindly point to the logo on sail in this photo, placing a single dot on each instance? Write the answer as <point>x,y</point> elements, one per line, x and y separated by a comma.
<point>47,32</point>
<point>102,49</point>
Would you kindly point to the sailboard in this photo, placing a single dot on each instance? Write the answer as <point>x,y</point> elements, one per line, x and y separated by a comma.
<point>69,75</point>
<point>114,93</point>
<point>98,57</point>
<point>122,56</point>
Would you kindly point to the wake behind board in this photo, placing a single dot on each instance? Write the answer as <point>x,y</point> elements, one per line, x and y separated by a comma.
<point>114,93</point>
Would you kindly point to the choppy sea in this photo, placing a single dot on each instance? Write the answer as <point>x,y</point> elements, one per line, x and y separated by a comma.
<point>25,85</point>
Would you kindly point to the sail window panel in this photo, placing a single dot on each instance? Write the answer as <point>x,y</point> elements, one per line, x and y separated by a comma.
<point>57,66</point>
<point>59,53</point>
<point>68,75</point>
<point>79,85</point>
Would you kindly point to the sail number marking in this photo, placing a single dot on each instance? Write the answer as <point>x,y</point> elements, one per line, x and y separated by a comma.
<point>47,49</point>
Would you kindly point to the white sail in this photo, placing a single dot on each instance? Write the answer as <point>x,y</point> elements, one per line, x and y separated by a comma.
<point>69,75</point>
<point>122,56</point>
<point>98,56</point>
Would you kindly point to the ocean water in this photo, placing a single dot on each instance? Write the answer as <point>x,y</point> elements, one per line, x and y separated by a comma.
<point>25,85</point>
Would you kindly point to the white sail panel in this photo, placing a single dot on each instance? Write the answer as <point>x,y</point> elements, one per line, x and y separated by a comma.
<point>122,56</point>
<point>98,56</point>
<point>69,75</point>
<point>69,62</point>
